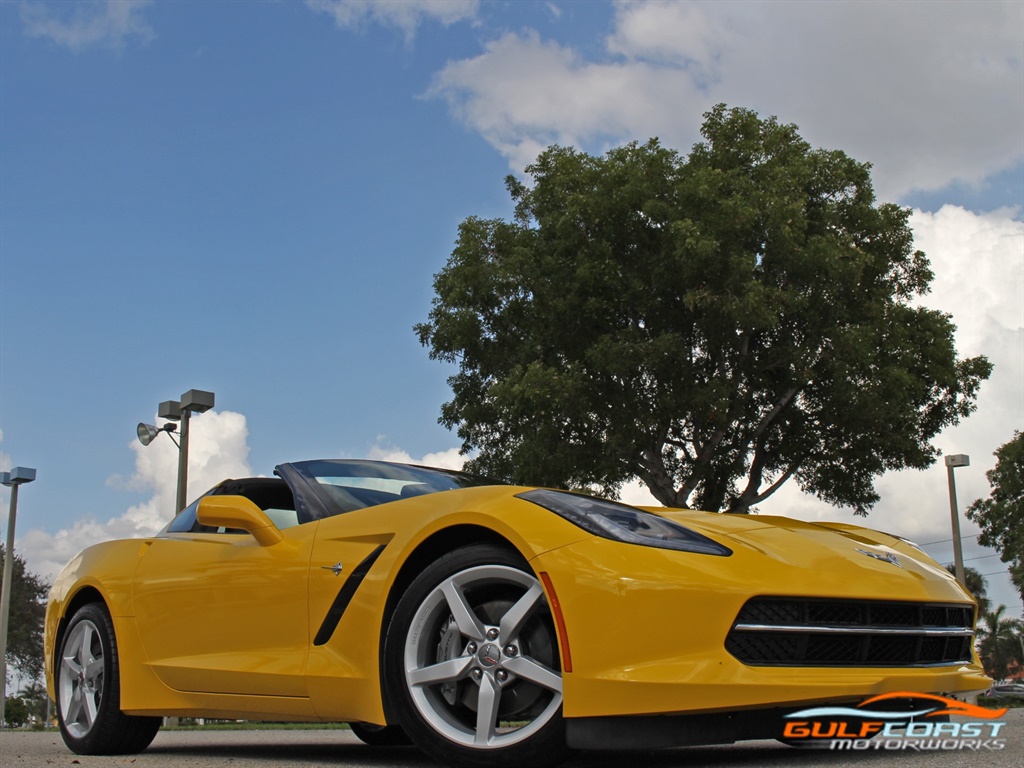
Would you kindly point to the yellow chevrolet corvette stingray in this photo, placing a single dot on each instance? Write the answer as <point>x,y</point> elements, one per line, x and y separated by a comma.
<point>490,625</point>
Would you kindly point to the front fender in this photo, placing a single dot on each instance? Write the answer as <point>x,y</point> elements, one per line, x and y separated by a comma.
<point>103,572</point>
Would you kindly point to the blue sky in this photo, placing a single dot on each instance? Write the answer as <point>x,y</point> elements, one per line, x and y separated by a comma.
<point>252,198</point>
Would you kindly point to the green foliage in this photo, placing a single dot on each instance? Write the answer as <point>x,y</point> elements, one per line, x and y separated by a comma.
<point>1001,515</point>
<point>1000,648</point>
<point>976,584</point>
<point>998,702</point>
<point>25,626</point>
<point>712,325</point>
<point>36,698</point>
<point>15,712</point>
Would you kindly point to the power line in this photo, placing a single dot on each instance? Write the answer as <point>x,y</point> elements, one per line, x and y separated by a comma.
<point>946,541</point>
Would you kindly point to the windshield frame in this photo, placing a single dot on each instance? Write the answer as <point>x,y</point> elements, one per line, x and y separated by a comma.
<point>315,500</point>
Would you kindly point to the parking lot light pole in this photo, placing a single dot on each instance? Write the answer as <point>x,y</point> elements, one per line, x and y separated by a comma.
<point>12,479</point>
<point>952,462</point>
<point>193,401</point>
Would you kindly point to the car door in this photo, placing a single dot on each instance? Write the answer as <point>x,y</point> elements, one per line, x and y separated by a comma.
<point>219,613</point>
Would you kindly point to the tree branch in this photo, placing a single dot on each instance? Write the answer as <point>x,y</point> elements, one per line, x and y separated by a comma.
<point>780,404</point>
<point>777,484</point>
<point>651,469</point>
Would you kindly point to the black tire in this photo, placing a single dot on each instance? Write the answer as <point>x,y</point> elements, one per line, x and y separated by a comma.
<point>471,663</point>
<point>380,735</point>
<point>87,677</point>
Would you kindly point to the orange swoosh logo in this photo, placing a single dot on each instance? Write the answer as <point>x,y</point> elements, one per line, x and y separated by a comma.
<point>952,706</point>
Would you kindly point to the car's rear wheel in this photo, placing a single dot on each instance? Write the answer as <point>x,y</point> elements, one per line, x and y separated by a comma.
<point>472,663</point>
<point>88,690</point>
<point>380,735</point>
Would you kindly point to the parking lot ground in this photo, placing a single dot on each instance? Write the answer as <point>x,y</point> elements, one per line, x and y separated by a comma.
<point>341,749</point>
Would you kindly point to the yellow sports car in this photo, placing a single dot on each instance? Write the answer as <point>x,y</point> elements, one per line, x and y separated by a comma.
<point>491,625</point>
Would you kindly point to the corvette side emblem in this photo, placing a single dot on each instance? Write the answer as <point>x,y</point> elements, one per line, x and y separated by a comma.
<point>888,557</point>
<point>337,568</point>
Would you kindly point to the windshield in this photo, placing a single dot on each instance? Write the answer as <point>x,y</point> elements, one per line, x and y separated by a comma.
<point>346,484</point>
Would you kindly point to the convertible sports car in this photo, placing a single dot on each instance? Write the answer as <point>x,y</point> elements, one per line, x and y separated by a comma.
<point>491,625</point>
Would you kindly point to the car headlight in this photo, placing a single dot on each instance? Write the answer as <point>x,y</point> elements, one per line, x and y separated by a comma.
<point>621,522</point>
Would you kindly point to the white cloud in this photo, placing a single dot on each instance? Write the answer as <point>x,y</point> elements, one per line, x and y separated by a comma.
<point>673,33</point>
<point>523,94</point>
<point>407,15</point>
<point>978,262</point>
<point>878,80</point>
<point>87,23</point>
<point>450,459</point>
<point>218,449</point>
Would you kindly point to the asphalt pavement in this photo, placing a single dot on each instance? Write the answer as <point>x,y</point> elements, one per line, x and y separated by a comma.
<point>341,749</point>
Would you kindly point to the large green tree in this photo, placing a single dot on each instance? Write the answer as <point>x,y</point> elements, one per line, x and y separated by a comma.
<point>1001,515</point>
<point>25,626</point>
<point>713,325</point>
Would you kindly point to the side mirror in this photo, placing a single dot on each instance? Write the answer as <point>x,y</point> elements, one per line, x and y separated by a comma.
<point>238,512</point>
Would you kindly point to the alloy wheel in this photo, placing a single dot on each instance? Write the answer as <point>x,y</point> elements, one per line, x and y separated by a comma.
<point>80,686</point>
<point>481,658</point>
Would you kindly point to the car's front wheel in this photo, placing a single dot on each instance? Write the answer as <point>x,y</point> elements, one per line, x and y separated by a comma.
<point>472,663</point>
<point>88,690</point>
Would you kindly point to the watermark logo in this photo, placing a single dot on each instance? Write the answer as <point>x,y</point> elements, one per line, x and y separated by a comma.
<point>898,721</point>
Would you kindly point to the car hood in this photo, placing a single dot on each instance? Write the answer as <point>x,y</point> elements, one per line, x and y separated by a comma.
<point>817,546</point>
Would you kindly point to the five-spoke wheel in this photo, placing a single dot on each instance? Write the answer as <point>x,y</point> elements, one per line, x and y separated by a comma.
<point>81,678</point>
<point>88,690</point>
<point>473,663</point>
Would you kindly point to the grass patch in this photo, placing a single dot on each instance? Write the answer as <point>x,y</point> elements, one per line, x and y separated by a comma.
<point>998,702</point>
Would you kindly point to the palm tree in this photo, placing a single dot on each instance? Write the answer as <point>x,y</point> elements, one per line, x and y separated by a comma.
<point>1000,643</point>
<point>977,585</point>
<point>34,695</point>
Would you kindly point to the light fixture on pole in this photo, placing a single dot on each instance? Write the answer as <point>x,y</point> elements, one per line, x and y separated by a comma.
<point>952,462</point>
<point>147,432</point>
<point>14,478</point>
<point>193,401</point>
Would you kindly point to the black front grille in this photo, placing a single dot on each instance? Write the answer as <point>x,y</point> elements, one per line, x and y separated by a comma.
<point>850,633</point>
